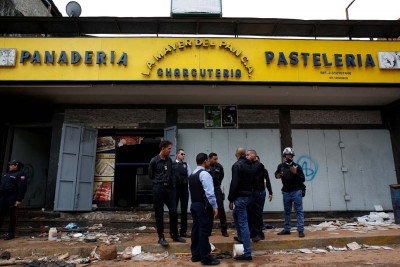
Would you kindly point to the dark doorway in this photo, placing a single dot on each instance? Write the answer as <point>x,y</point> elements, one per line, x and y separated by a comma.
<point>132,184</point>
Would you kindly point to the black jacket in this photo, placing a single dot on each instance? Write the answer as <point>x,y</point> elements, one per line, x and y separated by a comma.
<point>291,182</point>
<point>261,175</point>
<point>160,170</point>
<point>14,183</point>
<point>180,172</point>
<point>217,173</point>
<point>242,184</point>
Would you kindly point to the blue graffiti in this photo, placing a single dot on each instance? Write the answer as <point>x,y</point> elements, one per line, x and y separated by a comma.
<point>309,166</point>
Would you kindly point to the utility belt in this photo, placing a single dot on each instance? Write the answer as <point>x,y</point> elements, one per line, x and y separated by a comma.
<point>166,183</point>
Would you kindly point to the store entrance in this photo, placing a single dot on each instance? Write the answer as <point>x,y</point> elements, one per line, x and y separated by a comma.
<point>130,185</point>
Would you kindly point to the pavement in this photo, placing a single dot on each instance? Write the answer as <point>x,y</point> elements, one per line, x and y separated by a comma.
<point>320,236</point>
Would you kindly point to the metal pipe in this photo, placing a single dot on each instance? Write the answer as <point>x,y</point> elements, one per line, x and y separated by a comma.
<point>48,6</point>
<point>347,9</point>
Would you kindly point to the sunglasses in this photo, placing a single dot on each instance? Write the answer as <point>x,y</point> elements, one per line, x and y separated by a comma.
<point>183,154</point>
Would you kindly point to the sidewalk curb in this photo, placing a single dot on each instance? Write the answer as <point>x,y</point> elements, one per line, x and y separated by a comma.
<point>84,251</point>
<point>281,244</point>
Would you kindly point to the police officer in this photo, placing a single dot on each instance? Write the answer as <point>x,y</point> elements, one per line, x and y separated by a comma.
<point>182,171</point>
<point>12,191</point>
<point>217,173</point>
<point>160,172</point>
<point>204,206</point>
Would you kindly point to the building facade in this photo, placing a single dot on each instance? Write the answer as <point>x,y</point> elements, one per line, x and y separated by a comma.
<point>95,109</point>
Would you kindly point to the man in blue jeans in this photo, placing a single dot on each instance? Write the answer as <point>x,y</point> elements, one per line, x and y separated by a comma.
<point>292,177</point>
<point>240,197</point>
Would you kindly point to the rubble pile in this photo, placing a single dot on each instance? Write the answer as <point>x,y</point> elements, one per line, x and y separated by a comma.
<point>375,221</point>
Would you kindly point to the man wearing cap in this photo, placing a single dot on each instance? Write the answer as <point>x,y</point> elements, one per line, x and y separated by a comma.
<point>13,187</point>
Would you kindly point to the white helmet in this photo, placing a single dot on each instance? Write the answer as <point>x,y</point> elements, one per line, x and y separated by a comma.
<point>288,151</point>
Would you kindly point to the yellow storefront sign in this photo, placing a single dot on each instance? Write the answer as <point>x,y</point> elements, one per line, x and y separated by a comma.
<point>198,60</point>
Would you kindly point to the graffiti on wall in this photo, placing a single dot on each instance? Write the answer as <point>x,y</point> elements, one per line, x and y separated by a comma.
<point>309,166</point>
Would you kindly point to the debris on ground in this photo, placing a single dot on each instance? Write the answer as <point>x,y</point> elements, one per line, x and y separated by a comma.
<point>375,221</point>
<point>146,256</point>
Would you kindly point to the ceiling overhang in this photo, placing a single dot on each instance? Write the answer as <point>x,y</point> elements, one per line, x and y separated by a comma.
<point>78,26</point>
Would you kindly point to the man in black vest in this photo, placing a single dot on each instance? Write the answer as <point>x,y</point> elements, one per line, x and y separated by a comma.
<point>160,171</point>
<point>181,172</point>
<point>204,206</point>
<point>217,173</point>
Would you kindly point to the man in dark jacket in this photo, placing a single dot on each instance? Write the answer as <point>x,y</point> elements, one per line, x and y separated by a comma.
<point>292,177</point>
<point>240,197</point>
<point>256,209</point>
<point>217,173</point>
<point>12,191</point>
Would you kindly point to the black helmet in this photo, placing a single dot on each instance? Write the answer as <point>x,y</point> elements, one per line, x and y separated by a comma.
<point>17,163</point>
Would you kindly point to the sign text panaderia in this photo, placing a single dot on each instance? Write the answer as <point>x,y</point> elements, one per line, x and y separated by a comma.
<point>73,57</point>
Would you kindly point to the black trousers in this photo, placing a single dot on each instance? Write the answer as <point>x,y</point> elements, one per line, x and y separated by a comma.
<point>182,195</point>
<point>255,215</point>
<point>165,195</point>
<point>221,209</point>
<point>200,246</point>
<point>7,206</point>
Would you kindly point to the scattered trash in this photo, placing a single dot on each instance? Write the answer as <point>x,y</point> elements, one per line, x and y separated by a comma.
<point>353,246</point>
<point>96,226</point>
<point>5,255</point>
<point>150,256</point>
<point>378,207</point>
<point>331,248</point>
<point>63,256</point>
<point>237,250</point>
<point>71,226</point>
<point>141,228</point>
<point>136,250</point>
<point>52,234</point>
<point>319,251</point>
<point>224,255</point>
<point>212,247</point>
<point>305,250</point>
<point>90,238</point>
<point>268,226</point>
<point>84,260</point>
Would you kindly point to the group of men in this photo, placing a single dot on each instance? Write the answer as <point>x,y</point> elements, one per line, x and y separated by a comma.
<point>173,181</point>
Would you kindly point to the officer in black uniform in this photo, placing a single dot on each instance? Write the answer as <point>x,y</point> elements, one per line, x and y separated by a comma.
<point>181,172</point>
<point>217,173</point>
<point>204,206</point>
<point>160,172</point>
<point>12,191</point>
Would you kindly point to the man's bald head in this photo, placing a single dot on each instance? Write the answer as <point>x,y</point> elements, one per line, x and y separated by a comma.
<point>240,152</point>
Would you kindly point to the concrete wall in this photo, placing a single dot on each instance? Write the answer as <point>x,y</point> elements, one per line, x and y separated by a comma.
<point>31,8</point>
